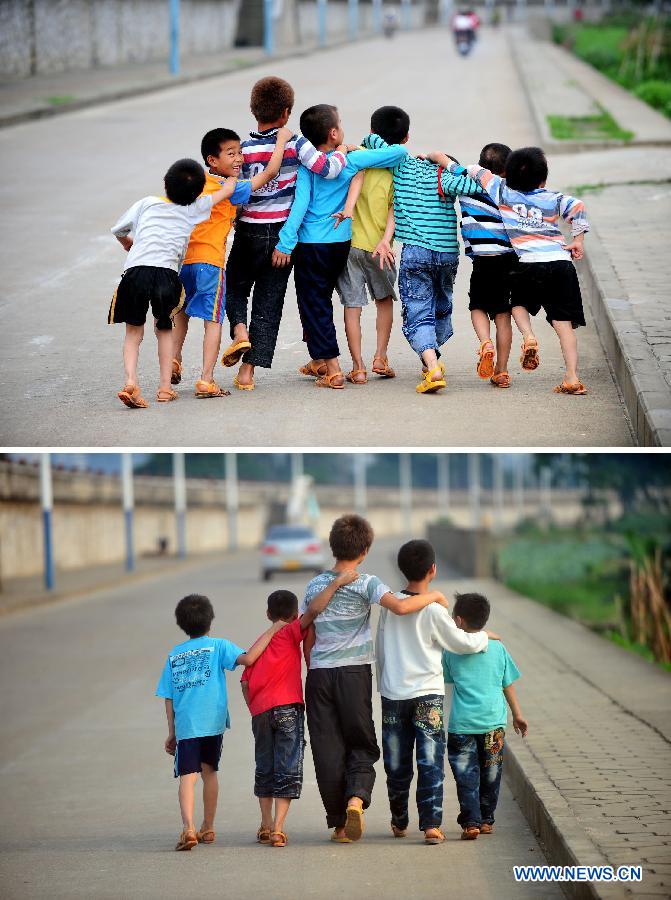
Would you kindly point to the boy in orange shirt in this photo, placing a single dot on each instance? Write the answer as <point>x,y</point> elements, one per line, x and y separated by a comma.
<point>202,272</point>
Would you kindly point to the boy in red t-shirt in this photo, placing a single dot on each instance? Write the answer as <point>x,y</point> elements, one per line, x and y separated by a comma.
<point>273,691</point>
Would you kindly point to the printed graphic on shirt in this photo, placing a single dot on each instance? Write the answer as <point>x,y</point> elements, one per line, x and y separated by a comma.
<point>191,669</point>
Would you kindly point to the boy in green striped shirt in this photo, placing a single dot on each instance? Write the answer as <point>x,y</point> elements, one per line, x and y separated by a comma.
<point>426,224</point>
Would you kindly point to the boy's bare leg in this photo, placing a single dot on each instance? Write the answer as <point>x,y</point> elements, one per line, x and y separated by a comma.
<point>187,784</point>
<point>504,340</point>
<point>266,804</point>
<point>282,805</point>
<point>240,332</point>
<point>210,796</point>
<point>569,349</point>
<point>131,352</point>
<point>246,373</point>
<point>523,321</point>
<point>480,322</point>
<point>165,350</point>
<point>383,323</point>
<point>211,345</point>
<point>179,332</point>
<point>333,368</point>
<point>353,332</point>
<point>430,360</point>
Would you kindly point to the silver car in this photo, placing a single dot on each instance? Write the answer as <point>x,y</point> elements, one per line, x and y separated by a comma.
<point>291,548</point>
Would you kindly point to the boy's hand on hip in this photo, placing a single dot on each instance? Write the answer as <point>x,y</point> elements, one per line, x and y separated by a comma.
<point>346,577</point>
<point>521,726</point>
<point>126,242</point>
<point>170,744</point>
<point>386,254</point>
<point>576,248</point>
<point>280,259</point>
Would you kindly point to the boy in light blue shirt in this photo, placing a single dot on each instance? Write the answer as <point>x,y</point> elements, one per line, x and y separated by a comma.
<point>193,684</point>
<point>320,251</point>
<point>483,682</point>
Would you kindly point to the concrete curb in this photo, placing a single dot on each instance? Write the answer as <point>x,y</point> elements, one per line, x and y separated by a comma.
<point>565,842</point>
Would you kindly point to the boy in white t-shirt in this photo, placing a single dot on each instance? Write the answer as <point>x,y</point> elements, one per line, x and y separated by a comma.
<point>160,229</point>
<point>410,680</point>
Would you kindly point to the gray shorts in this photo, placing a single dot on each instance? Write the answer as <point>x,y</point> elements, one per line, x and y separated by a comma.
<point>361,272</point>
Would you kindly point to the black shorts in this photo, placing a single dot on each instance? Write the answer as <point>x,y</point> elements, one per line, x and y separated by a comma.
<point>491,281</point>
<point>144,286</point>
<point>193,752</point>
<point>554,286</point>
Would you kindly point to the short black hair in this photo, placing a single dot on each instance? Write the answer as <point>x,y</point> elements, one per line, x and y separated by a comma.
<point>526,169</point>
<point>350,537</point>
<point>317,121</point>
<point>494,157</point>
<point>270,97</point>
<point>391,122</point>
<point>472,608</point>
<point>194,615</point>
<point>212,141</point>
<point>282,605</point>
<point>415,559</point>
<point>184,181</point>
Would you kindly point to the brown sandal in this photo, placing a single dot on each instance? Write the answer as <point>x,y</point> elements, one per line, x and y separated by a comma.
<point>278,839</point>
<point>130,396</point>
<point>530,358</point>
<point>263,835</point>
<point>326,381</point>
<point>206,836</point>
<point>313,370</point>
<point>352,379</point>
<point>501,380</point>
<point>166,396</point>
<point>564,388</point>
<point>438,838</point>
<point>398,832</point>
<point>176,376</point>
<point>209,389</point>
<point>485,366</point>
<point>187,840</point>
<point>471,833</point>
<point>386,371</point>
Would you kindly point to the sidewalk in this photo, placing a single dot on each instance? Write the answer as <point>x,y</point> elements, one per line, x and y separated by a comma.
<point>593,776</point>
<point>627,192</point>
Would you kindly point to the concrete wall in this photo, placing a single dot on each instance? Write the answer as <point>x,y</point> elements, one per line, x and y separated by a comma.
<point>473,553</point>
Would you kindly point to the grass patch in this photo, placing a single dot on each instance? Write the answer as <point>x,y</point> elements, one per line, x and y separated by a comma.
<point>61,99</point>
<point>577,190</point>
<point>599,127</point>
<point>638,649</point>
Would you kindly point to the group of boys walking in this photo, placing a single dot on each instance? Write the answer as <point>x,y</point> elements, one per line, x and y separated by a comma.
<point>419,647</point>
<point>332,212</point>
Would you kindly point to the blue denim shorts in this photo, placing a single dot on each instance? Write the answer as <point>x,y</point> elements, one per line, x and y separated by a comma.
<point>279,738</point>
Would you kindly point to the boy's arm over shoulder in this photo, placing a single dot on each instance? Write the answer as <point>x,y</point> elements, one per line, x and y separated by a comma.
<point>488,181</point>
<point>288,236</point>
<point>449,637</point>
<point>573,210</point>
<point>322,164</point>
<point>127,222</point>
<point>319,602</point>
<point>409,605</point>
<point>457,180</point>
<point>384,158</point>
<point>249,658</point>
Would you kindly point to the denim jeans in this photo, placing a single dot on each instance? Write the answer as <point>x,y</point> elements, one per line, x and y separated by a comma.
<point>408,724</point>
<point>476,761</point>
<point>426,281</point>
<point>279,736</point>
<point>249,266</point>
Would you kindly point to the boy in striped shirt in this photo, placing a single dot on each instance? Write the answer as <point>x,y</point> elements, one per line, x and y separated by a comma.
<point>250,263</point>
<point>426,224</point>
<point>546,276</point>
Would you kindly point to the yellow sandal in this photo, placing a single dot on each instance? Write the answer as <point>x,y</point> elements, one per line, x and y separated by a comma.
<point>244,387</point>
<point>234,353</point>
<point>427,386</point>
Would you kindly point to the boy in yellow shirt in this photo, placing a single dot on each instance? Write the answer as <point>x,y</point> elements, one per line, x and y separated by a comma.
<point>371,263</point>
<point>202,272</point>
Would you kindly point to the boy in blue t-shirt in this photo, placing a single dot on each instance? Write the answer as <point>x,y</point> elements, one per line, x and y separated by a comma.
<point>478,715</point>
<point>193,684</point>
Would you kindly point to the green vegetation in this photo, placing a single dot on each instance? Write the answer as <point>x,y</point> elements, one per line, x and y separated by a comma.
<point>61,100</point>
<point>631,49</point>
<point>601,127</point>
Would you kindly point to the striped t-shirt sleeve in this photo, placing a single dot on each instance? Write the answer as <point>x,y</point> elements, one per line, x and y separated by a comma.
<point>489,182</point>
<point>376,589</point>
<point>458,182</point>
<point>319,162</point>
<point>573,210</point>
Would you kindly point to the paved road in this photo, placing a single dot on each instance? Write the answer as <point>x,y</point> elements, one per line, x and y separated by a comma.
<point>71,177</point>
<point>89,806</point>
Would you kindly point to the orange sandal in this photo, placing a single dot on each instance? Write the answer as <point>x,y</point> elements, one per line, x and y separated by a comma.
<point>187,840</point>
<point>209,389</point>
<point>385,371</point>
<point>351,376</point>
<point>500,380</point>
<point>354,826</point>
<point>313,370</point>
<point>471,833</point>
<point>437,838</point>
<point>530,358</point>
<point>130,396</point>
<point>176,376</point>
<point>234,353</point>
<point>206,836</point>
<point>166,396</point>
<point>564,388</point>
<point>326,381</point>
<point>278,839</point>
<point>244,387</point>
<point>485,366</point>
<point>263,835</point>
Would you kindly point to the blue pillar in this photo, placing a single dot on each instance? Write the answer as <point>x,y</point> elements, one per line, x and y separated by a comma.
<point>174,37</point>
<point>321,20</point>
<point>268,34</point>
<point>405,14</point>
<point>47,501</point>
<point>353,19</point>
<point>377,16</point>
<point>128,507</point>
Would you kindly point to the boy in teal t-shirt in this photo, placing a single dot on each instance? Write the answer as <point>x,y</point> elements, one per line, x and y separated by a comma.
<point>483,682</point>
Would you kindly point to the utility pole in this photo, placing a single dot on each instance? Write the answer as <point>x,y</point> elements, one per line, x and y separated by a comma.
<point>518,473</point>
<point>498,492</point>
<point>360,499</point>
<point>353,19</point>
<point>128,502</point>
<point>174,37</point>
<point>47,502</point>
<point>474,488</point>
<point>443,485</point>
<point>321,20</point>
<point>179,478</point>
<point>405,482</point>
<point>268,28</point>
<point>377,16</point>
<point>232,499</point>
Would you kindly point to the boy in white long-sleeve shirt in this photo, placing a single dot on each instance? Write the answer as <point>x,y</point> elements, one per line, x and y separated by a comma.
<point>410,680</point>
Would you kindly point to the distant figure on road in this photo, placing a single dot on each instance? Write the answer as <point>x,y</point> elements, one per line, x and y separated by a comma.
<point>193,684</point>
<point>546,276</point>
<point>483,683</point>
<point>160,229</point>
<point>338,689</point>
<point>409,653</point>
<point>250,269</point>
